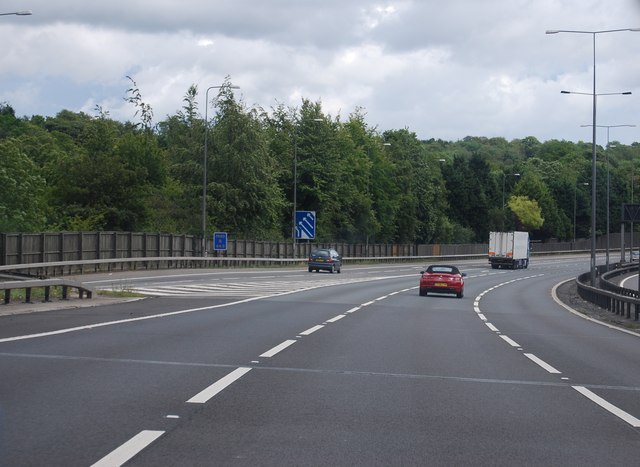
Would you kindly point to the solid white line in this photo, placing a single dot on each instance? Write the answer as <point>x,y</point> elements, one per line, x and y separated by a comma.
<point>509,341</point>
<point>335,318</point>
<point>554,294</point>
<point>630,419</point>
<point>311,330</point>
<point>542,363</point>
<point>206,394</point>
<point>278,348</point>
<point>128,320</point>
<point>492,327</point>
<point>129,449</point>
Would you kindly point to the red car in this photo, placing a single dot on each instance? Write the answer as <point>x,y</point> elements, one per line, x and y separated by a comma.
<point>440,278</point>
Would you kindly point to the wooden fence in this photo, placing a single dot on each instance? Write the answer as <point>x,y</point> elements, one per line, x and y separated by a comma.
<point>27,248</point>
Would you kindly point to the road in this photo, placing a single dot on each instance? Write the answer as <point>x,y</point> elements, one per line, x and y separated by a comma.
<point>283,367</point>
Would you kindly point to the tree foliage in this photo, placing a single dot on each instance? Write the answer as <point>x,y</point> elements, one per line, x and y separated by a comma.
<point>75,171</point>
<point>527,212</point>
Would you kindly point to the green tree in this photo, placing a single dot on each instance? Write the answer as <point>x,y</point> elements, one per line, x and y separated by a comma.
<point>243,196</point>
<point>22,202</point>
<point>527,212</point>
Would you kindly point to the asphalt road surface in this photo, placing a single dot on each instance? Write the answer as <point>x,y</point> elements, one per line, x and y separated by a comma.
<point>283,367</point>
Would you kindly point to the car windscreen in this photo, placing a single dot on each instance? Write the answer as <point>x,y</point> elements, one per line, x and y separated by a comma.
<point>443,269</point>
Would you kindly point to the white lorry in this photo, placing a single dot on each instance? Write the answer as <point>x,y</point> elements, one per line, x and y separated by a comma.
<point>509,250</point>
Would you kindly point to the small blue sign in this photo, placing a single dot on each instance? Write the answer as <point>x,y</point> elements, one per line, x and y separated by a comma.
<point>305,225</point>
<point>220,241</point>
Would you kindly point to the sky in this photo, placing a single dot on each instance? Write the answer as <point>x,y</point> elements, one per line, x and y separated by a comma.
<point>441,69</point>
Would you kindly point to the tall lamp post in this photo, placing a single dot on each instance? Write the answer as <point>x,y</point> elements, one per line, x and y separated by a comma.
<point>575,199</point>
<point>593,158</point>
<point>295,188</point>
<point>608,178</point>
<point>204,166</point>
<point>369,192</point>
<point>504,178</point>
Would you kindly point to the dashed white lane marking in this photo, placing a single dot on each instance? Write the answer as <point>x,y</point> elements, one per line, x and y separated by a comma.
<point>509,341</point>
<point>625,416</point>
<point>492,327</point>
<point>129,449</point>
<point>630,419</point>
<point>542,363</point>
<point>206,394</point>
<point>278,348</point>
<point>335,318</point>
<point>311,330</point>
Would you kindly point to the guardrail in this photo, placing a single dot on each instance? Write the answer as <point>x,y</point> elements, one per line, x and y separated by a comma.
<point>46,284</point>
<point>44,270</point>
<point>62,268</point>
<point>612,297</point>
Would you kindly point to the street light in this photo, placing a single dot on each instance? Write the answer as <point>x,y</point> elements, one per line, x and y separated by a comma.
<point>504,178</point>
<point>18,13</point>
<point>608,178</point>
<point>295,187</point>
<point>593,156</point>
<point>575,197</point>
<point>369,194</point>
<point>204,166</point>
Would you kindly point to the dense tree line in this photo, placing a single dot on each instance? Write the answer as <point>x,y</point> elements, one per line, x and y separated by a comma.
<point>89,172</point>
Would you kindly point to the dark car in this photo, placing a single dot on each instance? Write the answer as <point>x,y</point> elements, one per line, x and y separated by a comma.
<point>325,258</point>
<point>440,278</point>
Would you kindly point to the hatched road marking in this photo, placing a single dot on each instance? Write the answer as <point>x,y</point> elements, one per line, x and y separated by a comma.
<point>249,288</point>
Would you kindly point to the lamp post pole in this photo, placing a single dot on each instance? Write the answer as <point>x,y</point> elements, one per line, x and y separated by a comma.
<point>593,156</point>
<point>295,188</point>
<point>295,193</point>
<point>204,165</point>
<point>575,198</point>
<point>504,178</point>
<point>608,127</point>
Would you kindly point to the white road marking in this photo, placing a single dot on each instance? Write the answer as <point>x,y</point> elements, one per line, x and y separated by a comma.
<point>509,341</point>
<point>630,419</point>
<point>278,348</point>
<point>206,394</point>
<point>542,363</point>
<point>129,320</point>
<point>482,317</point>
<point>335,318</point>
<point>311,330</point>
<point>129,449</point>
<point>248,288</point>
<point>492,327</point>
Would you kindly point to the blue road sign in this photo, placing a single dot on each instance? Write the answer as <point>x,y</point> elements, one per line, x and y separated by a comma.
<point>220,241</point>
<point>305,225</point>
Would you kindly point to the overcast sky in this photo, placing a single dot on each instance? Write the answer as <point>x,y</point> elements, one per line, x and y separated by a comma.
<point>442,69</point>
